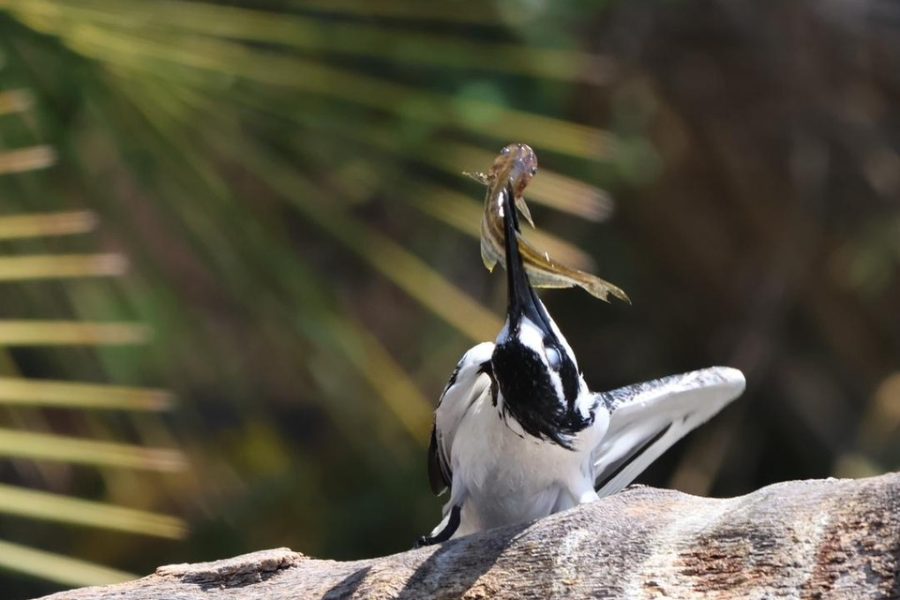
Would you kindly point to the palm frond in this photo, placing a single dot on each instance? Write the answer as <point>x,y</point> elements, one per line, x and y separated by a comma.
<point>225,148</point>
<point>53,266</point>
<point>40,446</point>
<point>65,333</point>
<point>16,391</point>
<point>14,101</point>
<point>189,58</point>
<point>33,445</point>
<point>45,506</point>
<point>49,224</point>
<point>27,159</point>
<point>55,567</point>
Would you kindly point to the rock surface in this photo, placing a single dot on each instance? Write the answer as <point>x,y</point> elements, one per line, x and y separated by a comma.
<point>803,539</point>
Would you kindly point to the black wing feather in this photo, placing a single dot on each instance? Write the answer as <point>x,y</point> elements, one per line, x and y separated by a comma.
<point>439,474</point>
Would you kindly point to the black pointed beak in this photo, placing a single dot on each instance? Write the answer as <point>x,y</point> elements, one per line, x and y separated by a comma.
<point>522,298</point>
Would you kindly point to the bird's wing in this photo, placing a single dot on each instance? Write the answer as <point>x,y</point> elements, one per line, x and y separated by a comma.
<point>471,379</point>
<point>647,418</point>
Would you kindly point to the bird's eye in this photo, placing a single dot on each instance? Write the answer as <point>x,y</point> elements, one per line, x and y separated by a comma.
<point>533,171</point>
<point>554,360</point>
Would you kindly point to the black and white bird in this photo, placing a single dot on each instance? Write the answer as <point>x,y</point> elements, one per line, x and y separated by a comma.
<point>518,435</point>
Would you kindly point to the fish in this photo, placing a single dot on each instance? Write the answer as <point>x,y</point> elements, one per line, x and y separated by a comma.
<point>510,173</point>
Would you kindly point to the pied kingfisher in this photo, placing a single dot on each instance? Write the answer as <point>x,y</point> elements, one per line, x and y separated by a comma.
<point>518,435</point>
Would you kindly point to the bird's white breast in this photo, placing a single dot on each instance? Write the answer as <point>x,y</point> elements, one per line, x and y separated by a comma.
<point>509,477</point>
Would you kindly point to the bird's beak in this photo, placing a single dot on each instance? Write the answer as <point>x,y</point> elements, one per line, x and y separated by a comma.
<point>523,300</point>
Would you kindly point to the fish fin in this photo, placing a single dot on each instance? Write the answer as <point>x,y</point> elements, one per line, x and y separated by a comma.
<point>488,260</point>
<point>481,178</point>
<point>600,288</point>
<point>554,275</point>
<point>523,208</point>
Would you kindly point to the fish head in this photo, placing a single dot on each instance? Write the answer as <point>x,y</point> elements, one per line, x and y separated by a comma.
<point>516,164</point>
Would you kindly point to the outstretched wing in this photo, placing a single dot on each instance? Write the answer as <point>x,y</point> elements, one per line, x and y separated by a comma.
<point>647,418</point>
<point>469,381</point>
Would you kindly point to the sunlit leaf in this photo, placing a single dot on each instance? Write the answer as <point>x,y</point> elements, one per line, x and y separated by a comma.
<point>550,189</point>
<point>396,263</point>
<point>42,446</point>
<point>145,53</point>
<point>462,11</point>
<point>14,101</point>
<point>62,394</point>
<point>336,37</point>
<point>26,159</point>
<point>48,224</point>
<point>394,386</point>
<point>58,568</point>
<point>67,333</point>
<point>22,268</point>
<point>53,507</point>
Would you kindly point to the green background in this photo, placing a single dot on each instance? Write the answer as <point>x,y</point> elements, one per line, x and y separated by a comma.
<point>284,182</point>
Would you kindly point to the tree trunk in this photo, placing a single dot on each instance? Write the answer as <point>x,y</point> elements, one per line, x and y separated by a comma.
<point>802,539</point>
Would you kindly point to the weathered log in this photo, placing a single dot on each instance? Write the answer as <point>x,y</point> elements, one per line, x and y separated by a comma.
<point>803,539</point>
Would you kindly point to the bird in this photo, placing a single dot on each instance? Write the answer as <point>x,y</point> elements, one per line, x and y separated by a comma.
<point>517,434</point>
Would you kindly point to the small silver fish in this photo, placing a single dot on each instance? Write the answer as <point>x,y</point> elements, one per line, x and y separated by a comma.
<point>512,170</point>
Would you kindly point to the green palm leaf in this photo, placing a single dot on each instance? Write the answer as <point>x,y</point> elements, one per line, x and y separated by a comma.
<point>223,147</point>
<point>16,393</point>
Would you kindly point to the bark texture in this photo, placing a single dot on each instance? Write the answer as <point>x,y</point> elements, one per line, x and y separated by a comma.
<point>803,539</point>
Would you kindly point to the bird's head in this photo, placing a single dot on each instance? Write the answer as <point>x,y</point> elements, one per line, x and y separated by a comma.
<point>533,366</point>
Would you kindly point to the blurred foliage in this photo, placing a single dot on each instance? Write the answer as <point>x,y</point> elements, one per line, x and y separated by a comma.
<point>39,415</point>
<point>284,179</point>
